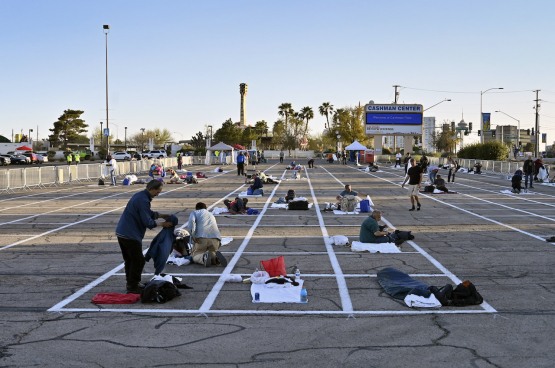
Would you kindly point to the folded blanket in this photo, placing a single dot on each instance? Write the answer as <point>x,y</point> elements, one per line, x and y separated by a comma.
<point>226,241</point>
<point>271,294</point>
<point>279,205</point>
<point>521,192</point>
<point>374,247</point>
<point>178,261</point>
<point>115,298</point>
<point>338,212</point>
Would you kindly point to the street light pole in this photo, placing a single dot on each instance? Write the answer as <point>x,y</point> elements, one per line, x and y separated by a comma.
<point>101,135</point>
<point>106,30</point>
<point>518,132</point>
<point>125,139</point>
<point>142,140</point>
<point>481,116</point>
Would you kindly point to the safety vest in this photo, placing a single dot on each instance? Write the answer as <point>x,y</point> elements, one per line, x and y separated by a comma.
<point>69,158</point>
<point>77,158</point>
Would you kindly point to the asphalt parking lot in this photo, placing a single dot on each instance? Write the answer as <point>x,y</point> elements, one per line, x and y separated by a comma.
<point>58,249</point>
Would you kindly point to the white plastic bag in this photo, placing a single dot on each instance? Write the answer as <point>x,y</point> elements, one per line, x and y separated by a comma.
<point>370,201</point>
<point>260,277</point>
<point>340,240</point>
<point>234,278</point>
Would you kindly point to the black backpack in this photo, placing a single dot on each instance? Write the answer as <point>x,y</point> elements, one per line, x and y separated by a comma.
<point>181,245</point>
<point>290,195</point>
<point>159,291</point>
<point>429,189</point>
<point>466,294</point>
<point>298,205</point>
<point>100,181</point>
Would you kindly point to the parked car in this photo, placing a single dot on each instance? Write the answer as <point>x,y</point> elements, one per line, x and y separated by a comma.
<point>155,154</point>
<point>19,160</point>
<point>121,156</point>
<point>5,161</point>
<point>84,154</point>
<point>33,157</point>
<point>42,158</point>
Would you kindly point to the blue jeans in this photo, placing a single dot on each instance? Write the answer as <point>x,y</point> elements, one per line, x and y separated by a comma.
<point>531,176</point>
<point>113,177</point>
<point>432,176</point>
<point>258,191</point>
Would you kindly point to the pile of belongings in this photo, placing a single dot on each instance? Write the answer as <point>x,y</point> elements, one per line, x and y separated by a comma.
<point>162,288</point>
<point>130,179</point>
<point>418,294</point>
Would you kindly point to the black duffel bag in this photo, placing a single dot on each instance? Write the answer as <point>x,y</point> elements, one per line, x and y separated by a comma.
<point>298,205</point>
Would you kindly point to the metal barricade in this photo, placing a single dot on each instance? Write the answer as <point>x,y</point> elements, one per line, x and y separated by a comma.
<point>73,174</point>
<point>82,172</point>
<point>48,176</point>
<point>5,181</point>
<point>62,173</point>
<point>32,178</point>
<point>17,179</point>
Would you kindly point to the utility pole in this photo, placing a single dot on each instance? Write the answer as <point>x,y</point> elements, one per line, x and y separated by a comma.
<point>396,99</point>
<point>537,123</point>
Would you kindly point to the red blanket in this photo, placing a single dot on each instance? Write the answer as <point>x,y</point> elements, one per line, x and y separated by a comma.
<point>115,298</point>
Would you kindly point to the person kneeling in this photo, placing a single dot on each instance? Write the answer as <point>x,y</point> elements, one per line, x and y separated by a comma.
<point>257,186</point>
<point>516,181</point>
<point>372,232</point>
<point>440,184</point>
<point>206,237</point>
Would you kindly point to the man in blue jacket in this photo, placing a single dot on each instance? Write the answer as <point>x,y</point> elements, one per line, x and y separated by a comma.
<point>240,164</point>
<point>257,185</point>
<point>134,221</point>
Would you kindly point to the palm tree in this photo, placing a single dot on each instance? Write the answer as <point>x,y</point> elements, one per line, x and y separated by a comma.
<point>285,110</point>
<point>308,114</point>
<point>325,109</point>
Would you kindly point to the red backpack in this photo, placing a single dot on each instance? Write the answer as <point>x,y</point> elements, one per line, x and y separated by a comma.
<point>201,175</point>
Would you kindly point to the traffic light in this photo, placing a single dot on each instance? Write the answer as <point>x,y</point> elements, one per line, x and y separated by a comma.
<point>532,131</point>
<point>493,133</point>
<point>479,133</point>
<point>470,126</point>
<point>520,144</point>
<point>466,132</point>
<point>452,125</point>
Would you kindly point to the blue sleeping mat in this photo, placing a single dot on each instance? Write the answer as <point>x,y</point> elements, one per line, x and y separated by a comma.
<point>398,284</point>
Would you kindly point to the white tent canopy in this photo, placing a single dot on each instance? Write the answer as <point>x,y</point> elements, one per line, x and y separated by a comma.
<point>355,146</point>
<point>221,147</point>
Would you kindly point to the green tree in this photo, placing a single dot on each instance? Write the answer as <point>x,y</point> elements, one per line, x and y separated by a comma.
<point>160,136</point>
<point>261,127</point>
<point>325,110</point>
<point>350,125</point>
<point>68,127</point>
<point>285,110</point>
<point>198,141</point>
<point>306,114</point>
<point>229,133</point>
<point>529,147</point>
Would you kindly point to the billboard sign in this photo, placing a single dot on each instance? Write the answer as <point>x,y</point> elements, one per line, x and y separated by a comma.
<point>393,119</point>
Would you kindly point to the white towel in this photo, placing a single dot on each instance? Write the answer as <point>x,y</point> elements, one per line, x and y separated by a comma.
<point>226,241</point>
<point>413,300</point>
<point>374,247</point>
<point>220,210</point>
<point>300,199</point>
<point>279,205</point>
<point>521,192</point>
<point>244,194</point>
<point>277,295</point>
<point>338,212</point>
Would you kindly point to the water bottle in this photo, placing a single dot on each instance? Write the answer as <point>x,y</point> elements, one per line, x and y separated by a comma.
<point>256,297</point>
<point>297,275</point>
<point>304,296</point>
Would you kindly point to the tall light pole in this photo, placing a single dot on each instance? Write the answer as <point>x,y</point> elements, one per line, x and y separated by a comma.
<point>447,99</point>
<point>142,139</point>
<point>125,139</point>
<point>518,132</point>
<point>101,134</point>
<point>106,30</point>
<point>481,116</point>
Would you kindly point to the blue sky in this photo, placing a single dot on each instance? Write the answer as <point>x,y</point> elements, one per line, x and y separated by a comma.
<point>178,64</point>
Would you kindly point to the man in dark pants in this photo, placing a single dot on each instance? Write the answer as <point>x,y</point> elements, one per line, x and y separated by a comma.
<point>281,155</point>
<point>528,169</point>
<point>240,164</point>
<point>134,221</point>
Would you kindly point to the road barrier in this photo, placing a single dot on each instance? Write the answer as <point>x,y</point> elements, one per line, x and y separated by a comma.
<point>40,177</point>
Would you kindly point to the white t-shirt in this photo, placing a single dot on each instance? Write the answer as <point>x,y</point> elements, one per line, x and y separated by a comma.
<point>398,155</point>
<point>114,164</point>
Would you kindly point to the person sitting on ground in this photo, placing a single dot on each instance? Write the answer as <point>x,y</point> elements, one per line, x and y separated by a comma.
<point>257,185</point>
<point>478,168</point>
<point>348,192</point>
<point>293,164</point>
<point>440,184</point>
<point>372,232</point>
<point>238,206</point>
<point>373,167</point>
<point>516,182</point>
<point>206,237</point>
<point>174,178</point>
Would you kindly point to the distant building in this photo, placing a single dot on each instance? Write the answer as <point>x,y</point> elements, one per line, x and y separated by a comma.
<point>505,133</point>
<point>429,129</point>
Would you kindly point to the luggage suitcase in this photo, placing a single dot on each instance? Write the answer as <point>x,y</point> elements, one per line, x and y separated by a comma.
<point>298,205</point>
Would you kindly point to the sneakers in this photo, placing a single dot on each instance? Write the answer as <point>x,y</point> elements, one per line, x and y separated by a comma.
<point>418,208</point>
<point>135,289</point>
<point>207,259</point>
<point>221,259</point>
<point>412,209</point>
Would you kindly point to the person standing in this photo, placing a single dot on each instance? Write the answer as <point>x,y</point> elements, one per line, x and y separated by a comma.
<point>537,164</point>
<point>112,166</point>
<point>69,159</point>
<point>240,164</point>
<point>310,162</point>
<point>179,160</point>
<point>254,160</point>
<point>206,237</point>
<point>398,159</point>
<point>281,155</point>
<point>344,157</point>
<point>262,157</point>
<point>424,162</point>
<point>136,218</point>
<point>406,162</point>
<point>453,168</point>
<point>528,169</point>
<point>77,159</point>
<point>414,176</point>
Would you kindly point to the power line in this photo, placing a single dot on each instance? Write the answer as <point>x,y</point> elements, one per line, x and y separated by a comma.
<point>435,90</point>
